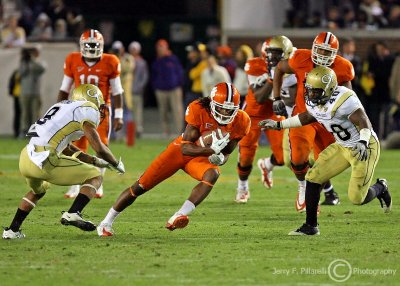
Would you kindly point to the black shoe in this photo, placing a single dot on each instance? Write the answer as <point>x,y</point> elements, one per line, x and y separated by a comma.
<point>331,199</point>
<point>305,229</point>
<point>76,220</point>
<point>385,198</point>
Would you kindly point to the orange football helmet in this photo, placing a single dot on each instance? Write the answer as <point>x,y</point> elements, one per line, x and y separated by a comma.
<point>225,100</point>
<point>91,44</point>
<point>324,49</point>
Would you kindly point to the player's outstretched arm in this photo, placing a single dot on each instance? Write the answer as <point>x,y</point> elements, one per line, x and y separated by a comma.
<point>291,122</point>
<point>101,149</point>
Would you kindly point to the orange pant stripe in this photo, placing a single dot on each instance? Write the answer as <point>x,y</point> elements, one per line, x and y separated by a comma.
<point>207,183</point>
<point>132,193</point>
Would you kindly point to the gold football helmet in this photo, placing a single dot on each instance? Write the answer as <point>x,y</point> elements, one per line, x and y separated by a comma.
<point>319,86</point>
<point>88,92</point>
<point>275,49</point>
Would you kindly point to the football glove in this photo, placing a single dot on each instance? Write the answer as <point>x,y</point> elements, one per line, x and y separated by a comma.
<point>216,159</point>
<point>360,150</point>
<point>278,107</point>
<point>120,168</point>
<point>270,124</point>
<point>101,163</point>
<point>218,144</point>
<point>261,80</point>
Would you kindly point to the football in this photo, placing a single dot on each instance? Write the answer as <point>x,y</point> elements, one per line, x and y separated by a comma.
<point>205,140</point>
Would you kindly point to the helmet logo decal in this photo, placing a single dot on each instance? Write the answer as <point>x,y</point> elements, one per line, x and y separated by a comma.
<point>326,79</point>
<point>93,93</point>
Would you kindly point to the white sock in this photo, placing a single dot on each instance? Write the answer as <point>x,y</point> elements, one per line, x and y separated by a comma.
<point>268,164</point>
<point>186,208</point>
<point>243,185</point>
<point>302,183</point>
<point>327,189</point>
<point>111,216</point>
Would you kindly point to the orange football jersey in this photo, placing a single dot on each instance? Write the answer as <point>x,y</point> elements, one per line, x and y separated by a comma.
<point>198,116</point>
<point>301,63</point>
<point>108,67</point>
<point>256,67</point>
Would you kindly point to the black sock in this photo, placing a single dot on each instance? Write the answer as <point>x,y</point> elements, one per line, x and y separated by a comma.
<point>19,218</point>
<point>79,203</point>
<point>373,191</point>
<point>312,199</point>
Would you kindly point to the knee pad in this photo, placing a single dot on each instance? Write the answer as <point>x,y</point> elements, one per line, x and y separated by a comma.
<point>300,169</point>
<point>90,186</point>
<point>244,171</point>
<point>137,191</point>
<point>41,189</point>
<point>275,162</point>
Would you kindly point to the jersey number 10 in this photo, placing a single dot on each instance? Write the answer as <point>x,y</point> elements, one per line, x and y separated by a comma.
<point>92,79</point>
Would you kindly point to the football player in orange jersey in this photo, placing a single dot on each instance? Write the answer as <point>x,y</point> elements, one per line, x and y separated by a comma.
<point>93,66</point>
<point>219,110</point>
<point>258,105</point>
<point>313,136</point>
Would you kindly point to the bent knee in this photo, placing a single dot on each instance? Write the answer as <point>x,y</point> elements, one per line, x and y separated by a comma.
<point>95,182</point>
<point>211,175</point>
<point>40,189</point>
<point>356,199</point>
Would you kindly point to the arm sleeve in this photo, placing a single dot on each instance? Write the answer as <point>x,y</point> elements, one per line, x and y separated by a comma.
<point>87,113</point>
<point>351,105</point>
<point>191,116</point>
<point>66,84</point>
<point>116,86</point>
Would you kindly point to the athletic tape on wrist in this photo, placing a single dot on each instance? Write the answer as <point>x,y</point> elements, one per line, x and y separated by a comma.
<point>118,113</point>
<point>365,134</point>
<point>291,122</point>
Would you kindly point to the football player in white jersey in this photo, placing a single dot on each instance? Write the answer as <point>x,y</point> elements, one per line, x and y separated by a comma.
<point>341,112</point>
<point>49,158</point>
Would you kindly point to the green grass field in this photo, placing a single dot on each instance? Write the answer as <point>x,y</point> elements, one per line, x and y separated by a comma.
<point>224,244</point>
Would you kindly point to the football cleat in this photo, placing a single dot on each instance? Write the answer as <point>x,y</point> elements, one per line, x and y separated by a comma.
<point>76,220</point>
<point>266,174</point>
<point>177,221</point>
<point>385,198</point>
<point>242,196</point>
<point>105,229</point>
<point>305,229</point>
<point>331,199</point>
<point>73,191</point>
<point>300,203</point>
<point>9,234</point>
<point>99,192</point>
